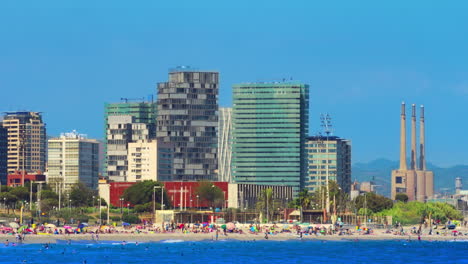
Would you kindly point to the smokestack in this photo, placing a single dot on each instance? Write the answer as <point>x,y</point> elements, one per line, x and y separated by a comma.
<point>422,144</point>
<point>403,138</point>
<point>413,138</point>
<point>458,185</point>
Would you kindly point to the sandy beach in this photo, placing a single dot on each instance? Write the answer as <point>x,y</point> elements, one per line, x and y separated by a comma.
<point>144,236</point>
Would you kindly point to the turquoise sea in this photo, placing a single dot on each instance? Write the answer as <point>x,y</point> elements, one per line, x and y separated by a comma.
<point>174,251</point>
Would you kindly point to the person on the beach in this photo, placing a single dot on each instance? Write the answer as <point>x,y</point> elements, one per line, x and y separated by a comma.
<point>7,243</point>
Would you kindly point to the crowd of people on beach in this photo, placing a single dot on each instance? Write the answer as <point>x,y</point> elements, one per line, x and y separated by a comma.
<point>220,229</point>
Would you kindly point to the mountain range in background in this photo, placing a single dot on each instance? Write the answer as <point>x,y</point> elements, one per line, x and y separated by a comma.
<point>379,171</point>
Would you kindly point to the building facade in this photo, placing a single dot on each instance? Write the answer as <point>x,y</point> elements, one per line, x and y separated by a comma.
<point>328,157</point>
<point>270,124</point>
<point>26,142</point>
<point>3,155</point>
<point>72,158</point>
<point>188,120</point>
<point>142,161</point>
<point>245,196</point>
<point>125,122</point>
<point>225,144</point>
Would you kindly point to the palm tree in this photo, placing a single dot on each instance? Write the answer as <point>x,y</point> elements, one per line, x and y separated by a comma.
<point>266,204</point>
<point>304,201</point>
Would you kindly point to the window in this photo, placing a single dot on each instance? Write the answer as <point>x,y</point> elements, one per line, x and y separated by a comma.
<point>398,180</point>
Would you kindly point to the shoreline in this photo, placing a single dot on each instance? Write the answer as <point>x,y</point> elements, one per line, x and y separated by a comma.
<point>179,237</point>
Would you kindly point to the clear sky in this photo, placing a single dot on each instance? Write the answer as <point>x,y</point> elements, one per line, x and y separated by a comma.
<point>361,59</point>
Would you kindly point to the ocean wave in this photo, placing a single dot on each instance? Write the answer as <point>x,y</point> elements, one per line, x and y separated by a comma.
<point>172,241</point>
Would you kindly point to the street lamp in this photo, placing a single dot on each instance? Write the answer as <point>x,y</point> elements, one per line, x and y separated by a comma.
<point>121,202</point>
<point>93,203</point>
<point>198,198</point>
<point>100,211</point>
<point>128,208</point>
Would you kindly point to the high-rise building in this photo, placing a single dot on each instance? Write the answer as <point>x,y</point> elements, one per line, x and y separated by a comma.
<point>188,119</point>
<point>328,156</point>
<point>270,124</point>
<point>72,158</point>
<point>3,155</point>
<point>142,161</point>
<point>126,122</point>
<point>416,181</point>
<point>26,142</point>
<point>225,144</point>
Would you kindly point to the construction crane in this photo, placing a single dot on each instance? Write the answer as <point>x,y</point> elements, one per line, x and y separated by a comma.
<point>142,99</point>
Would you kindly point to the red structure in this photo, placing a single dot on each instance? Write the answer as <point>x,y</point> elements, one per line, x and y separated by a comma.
<point>183,194</point>
<point>180,194</point>
<point>14,180</point>
<point>116,191</point>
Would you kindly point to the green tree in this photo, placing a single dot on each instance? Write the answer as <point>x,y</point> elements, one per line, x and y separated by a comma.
<point>22,193</point>
<point>8,199</point>
<point>130,218</point>
<point>147,207</point>
<point>414,212</point>
<point>210,193</point>
<point>373,202</point>
<point>48,204</point>
<point>142,193</point>
<point>49,194</point>
<point>402,197</point>
<point>80,195</point>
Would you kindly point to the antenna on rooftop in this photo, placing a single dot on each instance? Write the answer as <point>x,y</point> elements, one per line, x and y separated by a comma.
<point>326,123</point>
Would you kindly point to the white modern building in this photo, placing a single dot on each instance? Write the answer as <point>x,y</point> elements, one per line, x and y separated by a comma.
<point>120,131</point>
<point>142,161</point>
<point>72,158</point>
<point>225,144</point>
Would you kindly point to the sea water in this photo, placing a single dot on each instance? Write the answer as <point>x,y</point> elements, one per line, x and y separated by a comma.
<point>291,251</point>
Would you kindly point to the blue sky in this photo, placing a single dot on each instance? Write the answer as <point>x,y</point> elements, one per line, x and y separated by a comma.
<point>360,58</point>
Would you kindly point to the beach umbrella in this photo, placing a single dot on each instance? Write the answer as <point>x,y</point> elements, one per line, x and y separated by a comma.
<point>125,224</point>
<point>84,224</point>
<point>14,225</point>
<point>205,224</point>
<point>51,226</point>
<point>22,228</point>
<point>231,226</point>
<point>67,227</point>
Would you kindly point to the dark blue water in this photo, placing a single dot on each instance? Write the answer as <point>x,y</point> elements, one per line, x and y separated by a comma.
<point>241,252</point>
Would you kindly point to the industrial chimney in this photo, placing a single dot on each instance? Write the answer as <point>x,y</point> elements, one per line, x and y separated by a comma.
<point>403,138</point>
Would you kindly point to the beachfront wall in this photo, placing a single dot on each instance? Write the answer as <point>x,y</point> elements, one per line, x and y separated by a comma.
<point>184,194</point>
<point>181,194</point>
<point>116,192</point>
